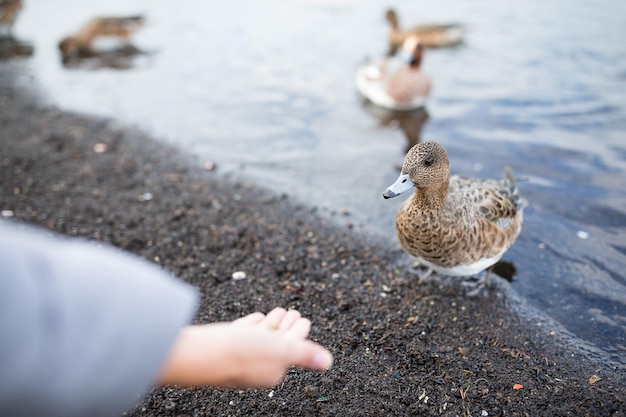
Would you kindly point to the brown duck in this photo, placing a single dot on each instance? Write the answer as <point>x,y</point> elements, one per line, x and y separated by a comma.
<point>80,45</point>
<point>455,226</point>
<point>430,36</point>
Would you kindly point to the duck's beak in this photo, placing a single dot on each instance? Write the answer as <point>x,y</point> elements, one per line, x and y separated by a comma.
<point>402,184</point>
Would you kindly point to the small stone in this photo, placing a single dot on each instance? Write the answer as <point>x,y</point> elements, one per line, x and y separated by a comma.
<point>7,213</point>
<point>239,275</point>
<point>100,147</point>
<point>582,234</point>
<point>271,394</point>
<point>311,391</point>
<point>484,413</point>
<point>210,165</point>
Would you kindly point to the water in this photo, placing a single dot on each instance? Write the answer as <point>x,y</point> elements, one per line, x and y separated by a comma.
<point>266,91</point>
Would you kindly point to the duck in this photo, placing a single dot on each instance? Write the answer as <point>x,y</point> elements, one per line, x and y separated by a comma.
<point>81,44</point>
<point>455,226</point>
<point>9,10</point>
<point>430,36</point>
<point>396,84</point>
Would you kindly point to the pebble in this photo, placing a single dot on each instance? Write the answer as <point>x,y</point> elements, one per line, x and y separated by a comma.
<point>100,147</point>
<point>239,275</point>
<point>311,391</point>
<point>7,213</point>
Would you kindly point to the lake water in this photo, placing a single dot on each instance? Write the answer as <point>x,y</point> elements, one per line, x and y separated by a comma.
<point>265,89</point>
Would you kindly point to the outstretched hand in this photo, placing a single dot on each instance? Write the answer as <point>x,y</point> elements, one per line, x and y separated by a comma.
<point>253,351</point>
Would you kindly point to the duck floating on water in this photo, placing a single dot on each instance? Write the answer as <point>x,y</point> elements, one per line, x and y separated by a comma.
<point>430,36</point>
<point>454,226</point>
<point>396,84</point>
<point>81,44</point>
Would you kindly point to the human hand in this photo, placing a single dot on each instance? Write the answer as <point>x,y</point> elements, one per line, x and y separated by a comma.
<point>253,351</point>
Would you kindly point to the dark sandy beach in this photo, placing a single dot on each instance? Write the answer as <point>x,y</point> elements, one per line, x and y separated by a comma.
<point>401,347</point>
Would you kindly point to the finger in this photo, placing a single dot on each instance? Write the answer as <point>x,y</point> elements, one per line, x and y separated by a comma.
<point>308,354</point>
<point>273,318</point>
<point>288,320</point>
<point>299,329</point>
<point>250,319</point>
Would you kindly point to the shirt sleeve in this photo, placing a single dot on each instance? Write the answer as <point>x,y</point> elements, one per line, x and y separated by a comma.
<point>84,328</point>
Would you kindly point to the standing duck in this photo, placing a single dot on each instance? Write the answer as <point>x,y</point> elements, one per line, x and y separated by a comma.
<point>431,36</point>
<point>455,226</point>
<point>396,84</point>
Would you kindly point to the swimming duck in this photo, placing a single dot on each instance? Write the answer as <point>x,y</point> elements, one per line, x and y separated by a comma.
<point>431,36</point>
<point>81,44</point>
<point>9,9</point>
<point>455,226</point>
<point>396,84</point>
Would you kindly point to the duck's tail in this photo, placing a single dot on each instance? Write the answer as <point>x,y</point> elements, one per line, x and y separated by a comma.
<point>511,185</point>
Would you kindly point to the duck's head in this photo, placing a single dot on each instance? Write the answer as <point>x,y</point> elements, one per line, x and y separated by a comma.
<point>426,165</point>
<point>412,51</point>
<point>69,47</point>
<point>392,18</point>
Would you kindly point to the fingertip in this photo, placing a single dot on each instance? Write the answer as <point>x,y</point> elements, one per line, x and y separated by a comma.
<point>322,360</point>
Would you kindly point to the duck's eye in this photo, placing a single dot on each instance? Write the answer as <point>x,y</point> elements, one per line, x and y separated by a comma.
<point>428,161</point>
<point>403,181</point>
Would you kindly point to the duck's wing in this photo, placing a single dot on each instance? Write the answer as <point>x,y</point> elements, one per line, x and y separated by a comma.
<point>496,201</point>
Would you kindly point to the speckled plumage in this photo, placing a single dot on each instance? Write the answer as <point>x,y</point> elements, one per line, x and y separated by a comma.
<point>457,226</point>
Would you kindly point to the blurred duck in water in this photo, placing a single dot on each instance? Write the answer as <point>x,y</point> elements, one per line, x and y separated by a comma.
<point>9,10</point>
<point>430,36</point>
<point>396,84</point>
<point>10,46</point>
<point>82,44</point>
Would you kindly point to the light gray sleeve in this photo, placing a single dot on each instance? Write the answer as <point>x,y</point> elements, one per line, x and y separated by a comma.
<point>84,329</point>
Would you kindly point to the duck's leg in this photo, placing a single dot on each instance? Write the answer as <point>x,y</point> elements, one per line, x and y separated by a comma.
<point>423,272</point>
<point>479,285</point>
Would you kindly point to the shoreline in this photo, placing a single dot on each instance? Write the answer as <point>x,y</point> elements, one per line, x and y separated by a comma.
<point>401,347</point>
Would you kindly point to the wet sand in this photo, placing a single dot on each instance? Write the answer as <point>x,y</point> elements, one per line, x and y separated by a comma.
<point>401,347</point>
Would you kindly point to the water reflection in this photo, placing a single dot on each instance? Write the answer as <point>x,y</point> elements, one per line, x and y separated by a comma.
<point>410,122</point>
<point>11,47</point>
<point>116,58</point>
